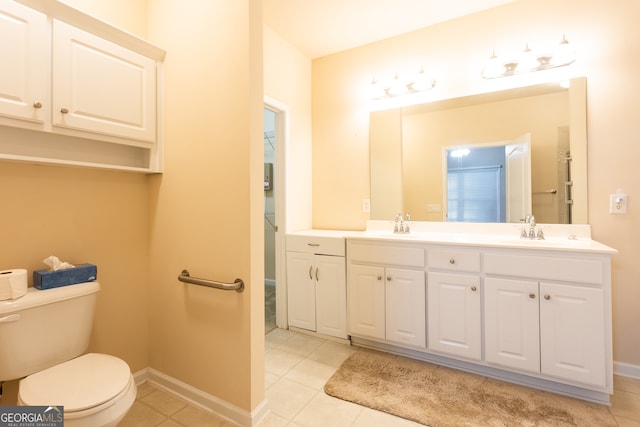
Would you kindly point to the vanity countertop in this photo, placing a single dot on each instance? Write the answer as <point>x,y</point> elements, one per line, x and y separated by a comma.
<point>576,244</point>
<point>572,238</point>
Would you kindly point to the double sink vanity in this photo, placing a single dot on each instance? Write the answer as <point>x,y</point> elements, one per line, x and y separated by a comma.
<point>475,297</point>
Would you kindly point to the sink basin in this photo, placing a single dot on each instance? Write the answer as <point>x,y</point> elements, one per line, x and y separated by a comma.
<point>555,243</point>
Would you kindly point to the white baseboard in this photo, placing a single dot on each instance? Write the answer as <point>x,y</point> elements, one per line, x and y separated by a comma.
<point>204,400</point>
<point>626,369</point>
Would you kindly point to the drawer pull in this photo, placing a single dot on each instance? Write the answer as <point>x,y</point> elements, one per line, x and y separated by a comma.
<point>313,244</point>
<point>532,295</point>
<point>474,288</point>
<point>311,272</point>
<point>317,275</point>
<point>547,297</point>
<point>452,261</point>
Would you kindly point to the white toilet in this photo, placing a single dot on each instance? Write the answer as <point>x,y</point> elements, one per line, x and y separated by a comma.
<point>43,336</point>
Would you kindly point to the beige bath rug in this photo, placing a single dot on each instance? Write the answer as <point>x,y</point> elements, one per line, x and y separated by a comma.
<point>441,397</point>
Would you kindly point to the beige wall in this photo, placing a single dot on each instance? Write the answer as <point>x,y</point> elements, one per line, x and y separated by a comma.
<point>606,36</point>
<point>206,212</point>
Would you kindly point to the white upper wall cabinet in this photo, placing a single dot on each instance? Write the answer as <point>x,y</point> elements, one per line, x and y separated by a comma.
<point>77,91</point>
<point>101,87</point>
<point>23,73</point>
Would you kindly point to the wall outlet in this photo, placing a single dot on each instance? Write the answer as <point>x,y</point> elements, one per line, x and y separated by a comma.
<point>618,203</point>
<point>366,205</point>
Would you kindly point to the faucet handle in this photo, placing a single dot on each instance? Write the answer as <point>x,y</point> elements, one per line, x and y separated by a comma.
<point>408,216</point>
<point>540,235</point>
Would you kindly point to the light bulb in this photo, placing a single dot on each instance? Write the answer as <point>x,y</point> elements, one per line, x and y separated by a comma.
<point>376,91</point>
<point>528,60</point>
<point>422,82</point>
<point>564,54</point>
<point>398,87</point>
<point>494,67</point>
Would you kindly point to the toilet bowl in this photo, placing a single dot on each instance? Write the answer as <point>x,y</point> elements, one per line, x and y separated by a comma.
<point>94,389</point>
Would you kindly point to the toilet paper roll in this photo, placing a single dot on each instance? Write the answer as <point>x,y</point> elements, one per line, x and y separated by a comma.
<point>13,283</point>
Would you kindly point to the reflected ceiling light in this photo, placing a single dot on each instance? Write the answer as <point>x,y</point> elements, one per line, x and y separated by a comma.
<point>460,152</point>
<point>530,60</point>
<point>401,84</point>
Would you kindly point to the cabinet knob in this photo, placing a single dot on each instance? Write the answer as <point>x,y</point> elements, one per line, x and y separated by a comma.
<point>379,277</point>
<point>532,295</point>
<point>37,104</point>
<point>547,297</point>
<point>474,288</point>
<point>452,261</point>
<point>388,278</point>
<point>64,110</point>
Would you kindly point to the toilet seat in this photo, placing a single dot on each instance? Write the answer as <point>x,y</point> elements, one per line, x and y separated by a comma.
<point>84,385</point>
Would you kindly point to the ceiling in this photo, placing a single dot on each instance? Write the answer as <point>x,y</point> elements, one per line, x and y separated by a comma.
<point>322,27</point>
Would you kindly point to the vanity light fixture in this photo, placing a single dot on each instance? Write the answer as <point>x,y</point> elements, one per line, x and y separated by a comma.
<point>530,60</point>
<point>401,84</point>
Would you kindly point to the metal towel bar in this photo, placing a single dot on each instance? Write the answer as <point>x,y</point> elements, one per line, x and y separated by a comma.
<point>237,285</point>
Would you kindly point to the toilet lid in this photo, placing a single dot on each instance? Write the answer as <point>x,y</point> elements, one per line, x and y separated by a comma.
<point>77,384</point>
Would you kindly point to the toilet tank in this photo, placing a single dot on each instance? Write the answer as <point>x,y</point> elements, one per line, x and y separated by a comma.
<point>44,328</point>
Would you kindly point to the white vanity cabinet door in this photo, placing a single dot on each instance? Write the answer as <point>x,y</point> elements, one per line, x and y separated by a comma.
<point>405,315</point>
<point>331,295</point>
<point>548,328</point>
<point>454,314</point>
<point>101,87</point>
<point>301,299</point>
<point>317,299</point>
<point>512,323</point>
<point>366,301</point>
<point>24,70</point>
<point>572,333</point>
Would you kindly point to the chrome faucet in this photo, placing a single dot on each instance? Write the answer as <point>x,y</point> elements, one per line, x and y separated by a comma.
<point>531,234</point>
<point>532,227</point>
<point>399,226</point>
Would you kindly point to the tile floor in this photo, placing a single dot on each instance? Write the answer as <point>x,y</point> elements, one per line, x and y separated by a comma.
<point>297,366</point>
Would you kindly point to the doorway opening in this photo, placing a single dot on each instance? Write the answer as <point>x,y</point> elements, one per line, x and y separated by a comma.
<point>275,140</point>
<point>270,227</point>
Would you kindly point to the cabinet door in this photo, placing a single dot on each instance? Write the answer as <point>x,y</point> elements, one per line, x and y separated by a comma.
<point>453,306</point>
<point>512,328</point>
<point>405,307</point>
<point>331,295</point>
<point>24,70</point>
<point>301,293</point>
<point>365,296</point>
<point>101,87</point>
<point>572,336</point>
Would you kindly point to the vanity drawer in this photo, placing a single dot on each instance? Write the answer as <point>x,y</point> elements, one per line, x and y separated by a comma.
<point>453,259</point>
<point>579,270</point>
<point>388,255</point>
<point>316,244</point>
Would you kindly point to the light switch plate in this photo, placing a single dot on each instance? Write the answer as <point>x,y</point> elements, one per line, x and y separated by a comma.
<point>366,205</point>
